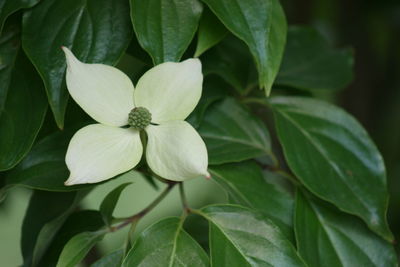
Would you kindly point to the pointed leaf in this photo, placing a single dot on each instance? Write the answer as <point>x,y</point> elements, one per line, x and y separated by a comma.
<point>310,62</point>
<point>164,28</point>
<point>330,152</point>
<point>262,26</point>
<point>328,237</point>
<point>241,237</point>
<point>23,114</point>
<point>232,134</point>
<point>246,185</point>
<point>77,248</point>
<point>107,206</point>
<point>98,31</point>
<point>210,32</point>
<point>165,243</point>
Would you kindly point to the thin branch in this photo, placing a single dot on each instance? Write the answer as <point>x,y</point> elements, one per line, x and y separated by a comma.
<point>142,213</point>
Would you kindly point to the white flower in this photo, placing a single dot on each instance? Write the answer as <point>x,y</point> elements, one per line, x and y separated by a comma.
<point>169,91</point>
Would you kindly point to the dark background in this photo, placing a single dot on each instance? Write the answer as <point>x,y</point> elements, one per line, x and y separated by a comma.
<point>372,28</point>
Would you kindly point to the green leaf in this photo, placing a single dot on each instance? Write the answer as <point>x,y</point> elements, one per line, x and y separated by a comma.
<point>333,156</point>
<point>9,46</point>
<point>310,62</point>
<point>232,134</point>
<point>98,31</point>
<point>328,237</point>
<point>262,26</point>
<point>165,28</point>
<point>77,222</point>
<point>110,201</point>
<point>23,114</point>
<point>7,7</point>
<point>238,70</point>
<point>241,237</point>
<point>77,248</point>
<point>46,213</point>
<point>246,186</point>
<point>47,154</point>
<point>210,32</point>
<point>113,259</point>
<point>165,243</point>
<point>213,89</point>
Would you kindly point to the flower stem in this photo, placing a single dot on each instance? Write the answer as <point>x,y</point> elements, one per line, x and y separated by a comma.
<point>185,203</point>
<point>135,218</point>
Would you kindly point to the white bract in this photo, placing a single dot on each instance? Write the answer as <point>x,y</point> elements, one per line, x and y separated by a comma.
<point>169,91</point>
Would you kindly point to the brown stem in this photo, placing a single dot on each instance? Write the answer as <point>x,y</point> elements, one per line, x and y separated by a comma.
<point>142,213</point>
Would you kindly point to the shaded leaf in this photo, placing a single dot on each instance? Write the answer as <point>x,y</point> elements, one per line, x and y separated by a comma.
<point>46,213</point>
<point>7,7</point>
<point>333,156</point>
<point>246,186</point>
<point>328,237</point>
<point>23,113</point>
<point>232,134</point>
<point>241,237</point>
<point>262,26</point>
<point>210,32</point>
<point>165,243</point>
<point>165,28</point>
<point>47,154</point>
<point>310,62</point>
<point>77,222</point>
<point>97,31</point>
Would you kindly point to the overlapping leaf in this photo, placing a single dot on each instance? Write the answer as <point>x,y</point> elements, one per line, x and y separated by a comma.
<point>334,157</point>
<point>97,31</point>
<point>262,26</point>
<point>327,237</point>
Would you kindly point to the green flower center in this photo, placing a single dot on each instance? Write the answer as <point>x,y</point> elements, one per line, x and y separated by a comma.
<point>139,118</point>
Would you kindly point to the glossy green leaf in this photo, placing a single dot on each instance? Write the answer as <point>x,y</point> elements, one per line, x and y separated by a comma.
<point>328,237</point>
<point>9,46</point>
<point>242,237</point>
<point>77,222</point>
<point>113,259</point>
<point>310,62</point>
<point>165,28</point>
<point>7,7</point>
<point>165,243</point>
<point>232,134</point>
<point>46,213</point>
<point>333,156</point>
<point>77,248</point>
<point>210,32</point>
<point>47,154</point>
<point>246,186</point>
<point>262,26</point>
<point>23,114</point>
<point>98,31</point>
<point>107,206</point>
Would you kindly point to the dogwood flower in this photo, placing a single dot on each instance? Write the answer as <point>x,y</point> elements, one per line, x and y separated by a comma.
<point>164,96</point>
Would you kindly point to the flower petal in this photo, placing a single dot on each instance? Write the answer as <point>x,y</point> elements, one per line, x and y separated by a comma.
<point>170,91</point>
<point>98,152</point>
<point>175,151</point>
<point>104,92</point>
